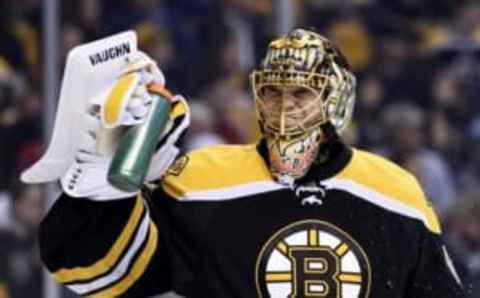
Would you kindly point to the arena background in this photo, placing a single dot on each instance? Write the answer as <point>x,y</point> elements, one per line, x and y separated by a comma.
<point>417,64</point>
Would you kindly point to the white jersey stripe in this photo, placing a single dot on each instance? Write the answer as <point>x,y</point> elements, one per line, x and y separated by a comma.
<point>375,197</point>
<point>359,190</point>
<point>234,192</point>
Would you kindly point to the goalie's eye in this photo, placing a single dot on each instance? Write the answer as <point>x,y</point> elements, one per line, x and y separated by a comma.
<point>270,92</point>
<point>302,93</point>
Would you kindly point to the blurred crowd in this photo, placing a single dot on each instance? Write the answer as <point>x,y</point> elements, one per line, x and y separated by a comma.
<point>417,64</point>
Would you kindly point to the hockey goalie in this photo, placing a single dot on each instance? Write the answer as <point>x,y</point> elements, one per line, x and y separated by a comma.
<point>298,214</point>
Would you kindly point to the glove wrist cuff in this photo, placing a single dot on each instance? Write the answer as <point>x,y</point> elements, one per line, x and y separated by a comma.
<point>81,181</point>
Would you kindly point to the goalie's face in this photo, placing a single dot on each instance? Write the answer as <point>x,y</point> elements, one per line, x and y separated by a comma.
<point>290,116</point>
<point>288,112</point>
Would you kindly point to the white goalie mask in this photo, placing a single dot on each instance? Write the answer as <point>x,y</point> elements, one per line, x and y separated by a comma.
<point>304,82</point>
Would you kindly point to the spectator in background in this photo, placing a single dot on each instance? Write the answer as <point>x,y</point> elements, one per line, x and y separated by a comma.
<point>90,18</point>
<point>202,130</point>
<point>27,137</point>
<point>470,176</point>
<point>124,15</point>
<point>463,238</point>
<point>227,96</point>
<point>368,113</point>
<point>11,87</point>
<point>352,36</point>
<point>5,214</point>
<point>456,83</point>
<point>405,124</point>
<point>247,22</point>
<point>239,118</point>
<point>322,13</point>
<point>455,88</point>
<point>234,108</point>
<point>3,290</point>
<point>20,267</point>
<point>161,47</point>
<point>11,46</point>
<point>71,35</point>
<point>404,76</point>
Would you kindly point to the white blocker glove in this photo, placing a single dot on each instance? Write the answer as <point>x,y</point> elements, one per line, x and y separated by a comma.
<point>124,104</point>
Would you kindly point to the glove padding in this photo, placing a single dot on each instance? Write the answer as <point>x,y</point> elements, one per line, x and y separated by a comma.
<point>87,176</point>
<point>127,101</point>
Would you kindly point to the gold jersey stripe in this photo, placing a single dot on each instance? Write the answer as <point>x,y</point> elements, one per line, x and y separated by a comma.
<point>341,250</point>
<point>226,165</point>
<point>350,278</point>
<point>138,268</point>
<point>103,265</point>
<point>115,101</point>
<point>278,277</point>
<point>313,238</point>
<point>390,180</point>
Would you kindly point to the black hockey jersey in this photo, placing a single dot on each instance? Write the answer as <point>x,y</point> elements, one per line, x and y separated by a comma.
<point>218,226</point>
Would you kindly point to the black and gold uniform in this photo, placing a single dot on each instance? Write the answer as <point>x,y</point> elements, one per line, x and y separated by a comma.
<point>219,226</point>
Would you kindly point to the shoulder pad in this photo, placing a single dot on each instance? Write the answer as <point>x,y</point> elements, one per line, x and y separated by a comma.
<point>387,185</point>
<point>217,173</point>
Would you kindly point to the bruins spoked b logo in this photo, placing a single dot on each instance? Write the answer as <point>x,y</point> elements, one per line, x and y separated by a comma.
<point>312,258</point>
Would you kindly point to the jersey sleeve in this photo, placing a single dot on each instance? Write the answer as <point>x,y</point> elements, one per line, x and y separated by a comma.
<point>434,275</point>
<point>105,249</point>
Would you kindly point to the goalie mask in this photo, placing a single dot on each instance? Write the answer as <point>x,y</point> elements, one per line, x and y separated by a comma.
<point>303,83</point>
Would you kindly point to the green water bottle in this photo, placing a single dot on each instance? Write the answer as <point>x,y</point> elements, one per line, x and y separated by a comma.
<point>131,160</point>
